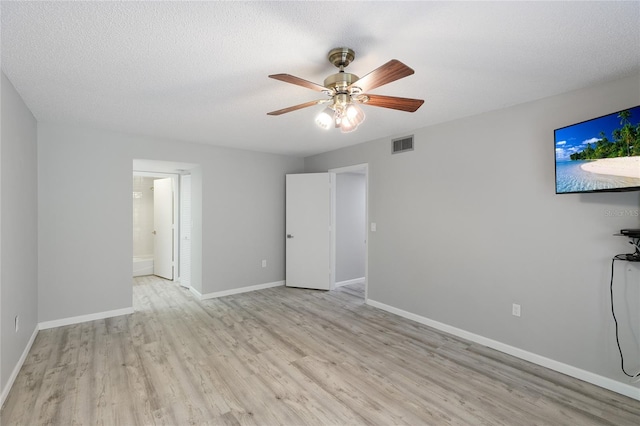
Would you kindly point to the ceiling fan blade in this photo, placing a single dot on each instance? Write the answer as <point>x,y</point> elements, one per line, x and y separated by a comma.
<point>296,107</point>
<point>393,102</point>
<point>391,71</point>
<point>288,78</point>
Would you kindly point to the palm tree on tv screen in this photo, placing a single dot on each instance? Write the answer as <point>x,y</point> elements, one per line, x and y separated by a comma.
<point>624,117</point>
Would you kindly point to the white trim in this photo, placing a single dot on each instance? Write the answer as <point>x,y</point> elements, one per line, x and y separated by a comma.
<point>153,174</point>
<point>587,376</point>
<point>349,169</point>
<point>347,282</point>
<point>333,183</point>
<point>195,292</point>
<point>142,272</point>
<point>84,318</point>
<point>236,290</point>
<point>16,370</point>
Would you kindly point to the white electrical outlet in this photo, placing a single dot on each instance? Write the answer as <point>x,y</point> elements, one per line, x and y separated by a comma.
<point>264,263</point>
<point>17,323</point>
<point>515,310</point>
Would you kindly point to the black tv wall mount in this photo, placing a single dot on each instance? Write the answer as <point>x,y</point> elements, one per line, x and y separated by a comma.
<point>634,240</point>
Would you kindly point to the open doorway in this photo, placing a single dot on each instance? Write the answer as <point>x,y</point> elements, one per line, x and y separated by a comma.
<point>350,213</point>
<point>155,234</point>
<point>173,179</point>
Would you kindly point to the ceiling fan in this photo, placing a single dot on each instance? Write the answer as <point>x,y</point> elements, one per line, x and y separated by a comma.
<point>346,92</point>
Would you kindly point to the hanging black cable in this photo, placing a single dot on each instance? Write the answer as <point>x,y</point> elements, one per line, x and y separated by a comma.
<point>615,320</point>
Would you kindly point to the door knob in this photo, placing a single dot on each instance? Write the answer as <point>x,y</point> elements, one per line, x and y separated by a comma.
<point>154,232</point>
<point>289,236</point>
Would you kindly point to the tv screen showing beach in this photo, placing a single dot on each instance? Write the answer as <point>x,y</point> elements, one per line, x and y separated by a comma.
<point>602,154</point>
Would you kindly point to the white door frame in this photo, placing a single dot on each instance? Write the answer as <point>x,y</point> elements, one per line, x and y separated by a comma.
<point>350,169</point>
<point>184,259</point>
<point>175,179</point>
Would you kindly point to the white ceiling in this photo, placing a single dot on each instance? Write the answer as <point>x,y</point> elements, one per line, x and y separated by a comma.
<point>197,71</point>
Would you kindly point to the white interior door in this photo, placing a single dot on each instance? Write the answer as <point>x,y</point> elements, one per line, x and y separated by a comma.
<point>308,229</point>
<point>163,228</point>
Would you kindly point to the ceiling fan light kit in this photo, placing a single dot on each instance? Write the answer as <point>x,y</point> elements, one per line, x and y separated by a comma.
<point>346,92</point>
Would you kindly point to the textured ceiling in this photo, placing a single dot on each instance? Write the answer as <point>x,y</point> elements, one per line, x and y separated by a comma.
<point>197,71</point>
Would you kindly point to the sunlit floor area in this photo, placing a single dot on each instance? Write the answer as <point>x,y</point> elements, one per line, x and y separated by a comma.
<point>284,356</point>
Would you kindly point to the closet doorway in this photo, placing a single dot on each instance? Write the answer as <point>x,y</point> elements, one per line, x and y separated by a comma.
<point>350,215</point>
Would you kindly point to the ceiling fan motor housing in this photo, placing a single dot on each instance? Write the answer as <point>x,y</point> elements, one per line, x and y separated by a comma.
<point>340,57</point>
<point>340,81</point>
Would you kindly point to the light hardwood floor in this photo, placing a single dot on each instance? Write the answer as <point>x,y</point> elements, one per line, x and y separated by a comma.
<point>286,356</point>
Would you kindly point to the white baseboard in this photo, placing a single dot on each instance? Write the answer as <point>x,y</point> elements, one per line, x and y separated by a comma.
<point>347,282</point>
<point>235,290</point>
<point>84,318</point>
<point>16,370</point>
<point>569,370</point>
<point>195,293</point>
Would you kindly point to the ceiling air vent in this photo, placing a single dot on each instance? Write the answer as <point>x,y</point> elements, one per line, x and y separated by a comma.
<point>402,144</point>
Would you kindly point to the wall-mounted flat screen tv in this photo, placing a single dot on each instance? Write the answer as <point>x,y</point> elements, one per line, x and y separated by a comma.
<point>599,155</point>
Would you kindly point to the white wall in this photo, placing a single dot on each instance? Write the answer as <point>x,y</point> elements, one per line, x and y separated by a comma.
<point>469,223</point>
<point>350,226</point>
<point>86,225</point>
<point>18,231</point>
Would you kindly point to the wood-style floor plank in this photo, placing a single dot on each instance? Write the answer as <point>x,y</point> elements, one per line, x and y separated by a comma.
<point>284,356</point>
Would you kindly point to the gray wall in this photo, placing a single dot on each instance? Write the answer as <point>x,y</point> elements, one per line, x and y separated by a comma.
<point>86,223</point>
<point>469,223</point>
<point>350,226</point>
<point>143,216</point>
<point>18,229</point>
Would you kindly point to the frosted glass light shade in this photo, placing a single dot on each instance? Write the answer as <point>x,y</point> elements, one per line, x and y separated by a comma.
<point>324,120</point>
<point>347,125</point>
<point>351,119</point>
<point>355,114</point>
